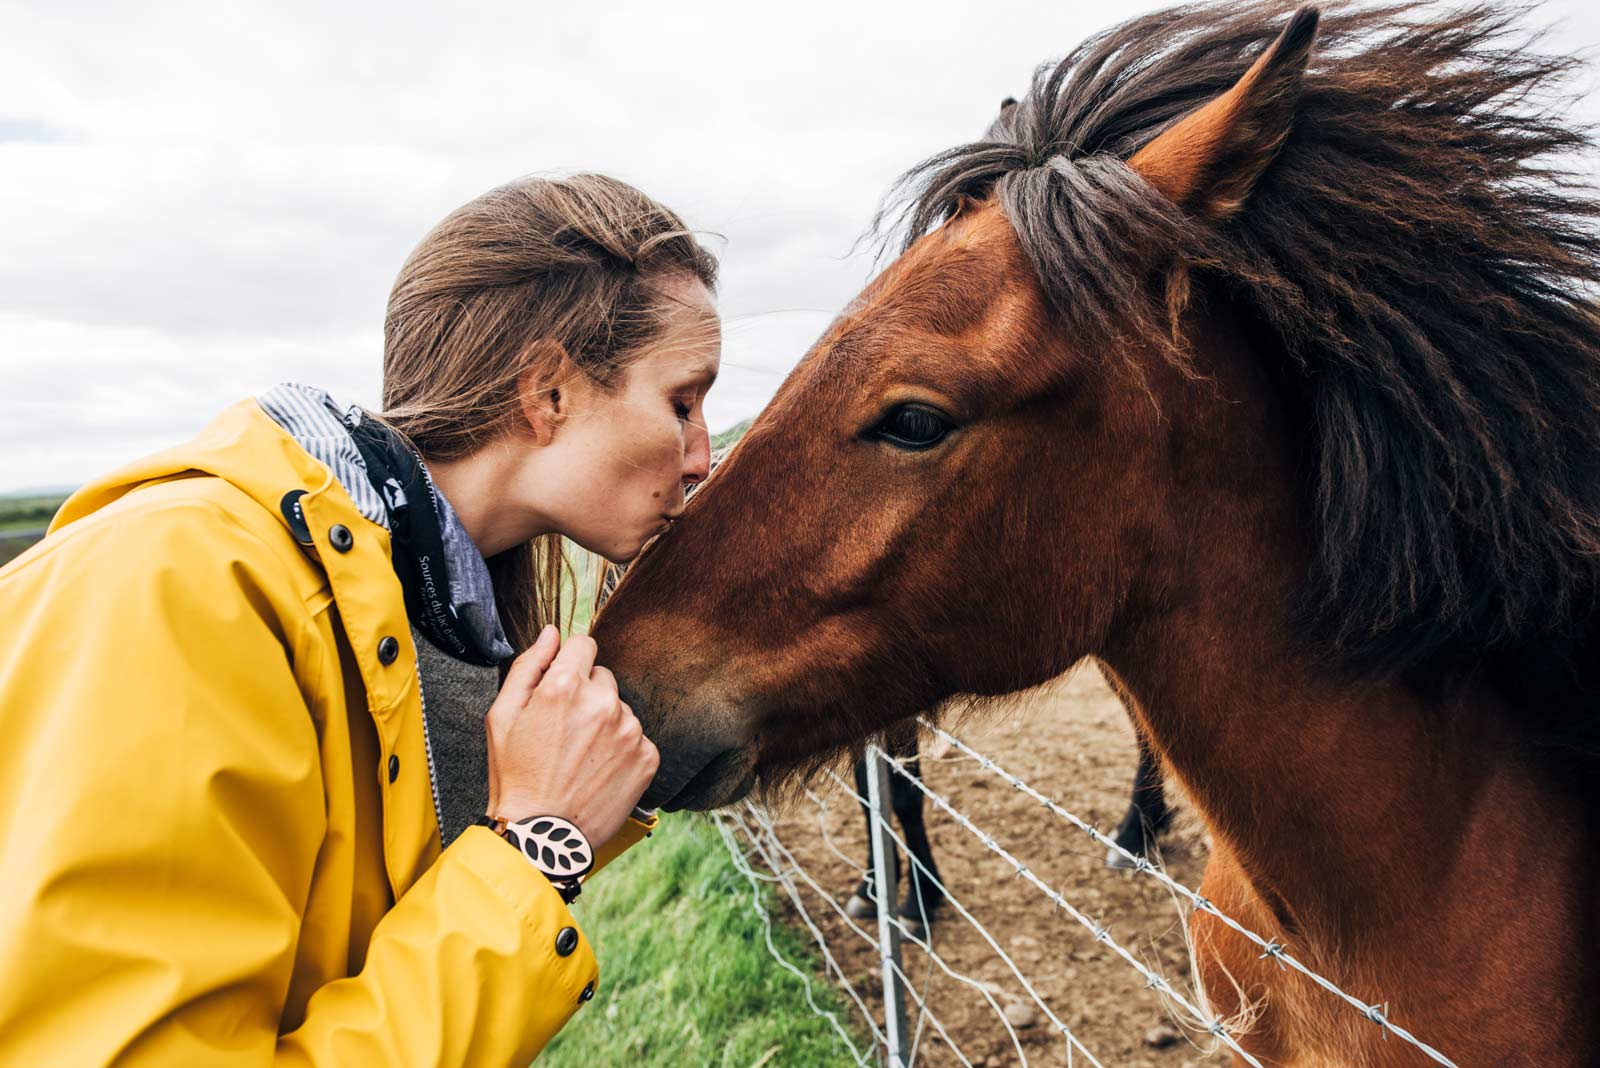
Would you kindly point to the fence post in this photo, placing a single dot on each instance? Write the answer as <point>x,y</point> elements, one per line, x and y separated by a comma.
<point>883,881</point>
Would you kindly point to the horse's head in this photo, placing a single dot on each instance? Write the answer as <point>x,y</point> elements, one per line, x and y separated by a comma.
<point>1193,350</point>
<point>899,524</point>
<point>863,551</point>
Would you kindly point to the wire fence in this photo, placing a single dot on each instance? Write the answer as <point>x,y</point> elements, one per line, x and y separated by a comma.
<point>891,1019</point>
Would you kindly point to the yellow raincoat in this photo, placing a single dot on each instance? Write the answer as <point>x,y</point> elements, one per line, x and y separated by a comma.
<point>219,842</point>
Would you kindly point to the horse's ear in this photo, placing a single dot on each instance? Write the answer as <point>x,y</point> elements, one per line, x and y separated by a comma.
<point>965,202</point>
<point>997,129</point>
<point>1208,161</point>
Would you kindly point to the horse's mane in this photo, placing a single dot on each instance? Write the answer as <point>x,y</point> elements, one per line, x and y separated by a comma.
<point>1422,257</point>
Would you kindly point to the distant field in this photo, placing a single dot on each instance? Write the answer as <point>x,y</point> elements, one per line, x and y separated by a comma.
<point>22,522</point>
<point>730,435</point>
<point>27,513</point>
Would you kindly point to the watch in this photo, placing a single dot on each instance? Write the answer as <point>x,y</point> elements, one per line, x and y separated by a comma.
<point>551,844</point>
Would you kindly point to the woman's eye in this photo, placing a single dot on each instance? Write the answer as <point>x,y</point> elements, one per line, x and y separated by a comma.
<point>913,426</point>
<point>682,409</point>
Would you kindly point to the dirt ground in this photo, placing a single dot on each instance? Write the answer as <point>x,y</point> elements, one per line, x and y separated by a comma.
<point>1072,741</point>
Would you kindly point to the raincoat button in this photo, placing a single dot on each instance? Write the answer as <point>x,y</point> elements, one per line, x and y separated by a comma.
<point>340,537</point>
<point>588,992</point>
<point>388,649</point>
<point>567,941</point>
<point>394,768</point>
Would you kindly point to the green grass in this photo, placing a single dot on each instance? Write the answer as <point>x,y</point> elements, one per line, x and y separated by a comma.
<point>27,513</point>
<point>686,979</point>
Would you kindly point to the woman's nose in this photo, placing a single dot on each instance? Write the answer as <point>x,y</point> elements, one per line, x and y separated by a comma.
<point>696,454</point>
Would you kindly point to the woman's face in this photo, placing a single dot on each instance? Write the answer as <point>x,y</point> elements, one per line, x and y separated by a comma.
<point>629,450</point>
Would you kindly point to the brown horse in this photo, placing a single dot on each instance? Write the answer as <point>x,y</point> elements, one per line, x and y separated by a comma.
<point>1257,361</point>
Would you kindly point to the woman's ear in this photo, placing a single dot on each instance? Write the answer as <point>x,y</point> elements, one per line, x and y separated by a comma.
<point>539,391</point>
<point>1208,161</point>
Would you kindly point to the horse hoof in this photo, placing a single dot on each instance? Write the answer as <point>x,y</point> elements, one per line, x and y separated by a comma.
<point>860,908</point>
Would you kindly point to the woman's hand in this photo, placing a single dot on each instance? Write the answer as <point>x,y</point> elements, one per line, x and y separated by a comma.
<point>562,743</point>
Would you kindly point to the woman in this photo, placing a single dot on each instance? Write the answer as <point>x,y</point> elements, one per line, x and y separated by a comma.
<point>234,828</point>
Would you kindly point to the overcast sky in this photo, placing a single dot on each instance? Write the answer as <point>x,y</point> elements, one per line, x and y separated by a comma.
<point>198,200</point>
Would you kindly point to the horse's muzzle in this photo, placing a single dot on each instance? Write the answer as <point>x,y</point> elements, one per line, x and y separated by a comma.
<point>701,767</point>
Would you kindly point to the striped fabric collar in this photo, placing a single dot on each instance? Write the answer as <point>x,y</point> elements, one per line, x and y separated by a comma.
<point>321,427</point>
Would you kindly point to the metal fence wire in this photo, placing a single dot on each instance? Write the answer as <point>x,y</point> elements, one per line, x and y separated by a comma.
<point>907,1027</point>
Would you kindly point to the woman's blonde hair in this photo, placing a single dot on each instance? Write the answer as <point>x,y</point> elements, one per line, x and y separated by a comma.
<point>516,282</point>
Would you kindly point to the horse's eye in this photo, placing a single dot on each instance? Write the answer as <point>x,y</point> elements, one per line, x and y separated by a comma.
<point>913,426</point>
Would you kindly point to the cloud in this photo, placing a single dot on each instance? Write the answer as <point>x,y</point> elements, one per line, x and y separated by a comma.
<point>28,130</point>
<point>200,199</point>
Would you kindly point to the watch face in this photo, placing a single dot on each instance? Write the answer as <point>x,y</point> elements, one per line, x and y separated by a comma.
<point>554,845</point>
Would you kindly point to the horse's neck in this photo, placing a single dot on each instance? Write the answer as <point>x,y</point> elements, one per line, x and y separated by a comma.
<point>1398,841</point>
<point>1329,789</point>
<point>1336,796</point>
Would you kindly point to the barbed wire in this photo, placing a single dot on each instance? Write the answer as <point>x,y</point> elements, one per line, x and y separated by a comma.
<point>872,940</point>
<point>766,844</point>
<point>1154,980</point>
<point>1073,1041</point>
<point>780,877</point>
<point>922,942</point>
<point>770,830</point>
<point>1272,948</point>
<point>925,1013</point>
<point>925,944</point>
<point>827,838</point>
<point>754,878</point>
